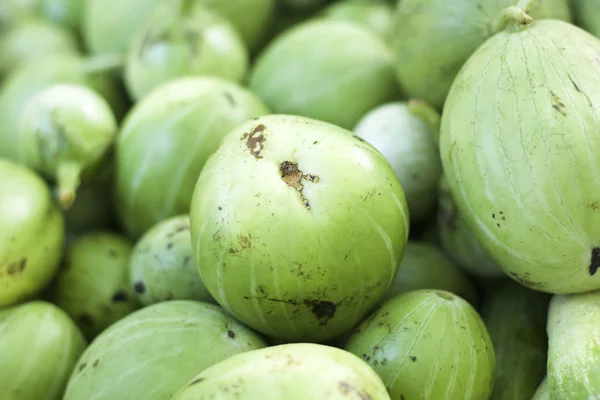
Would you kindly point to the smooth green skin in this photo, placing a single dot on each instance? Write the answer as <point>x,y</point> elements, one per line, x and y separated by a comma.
<point>92,285</point>
<point>31,233</point>
<point>153,352</point>
<point>31,78</point>
<point>586,14</point>
<point>407,142</point>
<point>67,13</point>
<point>428,344</point>
<point>458,241</point>
<point>289,371</point>
<point>542,391</point>
<point>40,345</point>
<point>516,320</point>
<point>432,39</point>
<point>522,173</point>
<point>31,40</point>
<point>162,264</point>
<point>573,350</point>
<point>290,271</point>
<point>376,16</point>
<point>165,141</point>
<point>424,266</point>
<point>329,70</point>
<point>183,39</point>
<point>65,131</point>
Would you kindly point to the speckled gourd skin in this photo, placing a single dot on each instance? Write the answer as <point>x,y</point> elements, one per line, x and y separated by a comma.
<point>289,371</point>
<point>299,252</point>
<point>40,345</point>
<point>31,233</point>
<point>153,352</point>
<point>428,344</point>
<point>574,346</point>
<point>519,141</point>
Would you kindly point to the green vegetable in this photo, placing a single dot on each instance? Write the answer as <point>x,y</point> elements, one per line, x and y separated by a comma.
<point>31,78</point>
<point>298,227</point>
<point>182,38</point>
<point>32,40</point>
<point>573,348</point>
<point>93,284</point>
<point>290,371</point>
<point>458,241</point>
<point>162,265</point>
<point>518,116</point>
<point>542,391</point>
<point>377,16</point>
<point>425,267</point>
<point>153,352</point>
<point>587,15</point>
<point>516,320</point>
<point>65,132</point>
<point>165,141</point>
<point>399,131</point>
<point>432,39</point>
<point>31,233</point>
<point>329,70</point>
<point>63,12</point>
<point>40,346</point>
<point>428,344</point>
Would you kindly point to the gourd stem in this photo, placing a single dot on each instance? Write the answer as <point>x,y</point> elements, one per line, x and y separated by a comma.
<point>513,18</point>
<point>68,179</point>
<point>104,63</point>
<point>428,114</point>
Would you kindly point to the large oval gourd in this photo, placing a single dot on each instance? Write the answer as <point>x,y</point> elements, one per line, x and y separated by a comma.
<point>297,226</point>
<point>573,346</point>
<point>587,15</point>
<point>516,320</point>
<point>289,371</point>
<point>432,39</point>
<point>153,352</point>
<point>428,344</point>
<point>165,141</point>
<point>39,345</point>
<point>519,145</point>
<point>31,233</point>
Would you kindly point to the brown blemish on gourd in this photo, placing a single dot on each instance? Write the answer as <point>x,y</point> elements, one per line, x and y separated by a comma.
<point>323,310</point>
<point>17,267</point>
<point>255,140</point>
<point>595,206</point>
<point>293,176</point>
<point>231,334</point>
<point>524,280</point>
<point>347,389</point>
<point>595,260</point>
<point>558,105</point>
<point>81,367</point>
<point>198,380</point>
<point>139,287</point>
<point>119,296</point>
<point>574,84</point>
<point>95,364</point>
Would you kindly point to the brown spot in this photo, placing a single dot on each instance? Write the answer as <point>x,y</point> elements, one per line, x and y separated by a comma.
<point>17,266</point>
<point>595,260</point>
<point>198,380</point>
<point>86,320</point>
<point>444,296</point>
<point>557,104</point>
<point>81,367</point>
<point>255,141</point>
<point>95,364</point>
<point>413,358</point>
<point>292,175</point>
<point>245,241</point>
<point>347,388</point>
<point>139,287</point>
<point>595,206</point>
<point>121,295</point>
<point>231,334</point>
<point>323,310</point>
<point>574,84</point>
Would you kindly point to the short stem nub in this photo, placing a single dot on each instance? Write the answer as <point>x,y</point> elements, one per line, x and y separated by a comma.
<point>428,114</point>
<point>68,179</point>
<point>513,18</point>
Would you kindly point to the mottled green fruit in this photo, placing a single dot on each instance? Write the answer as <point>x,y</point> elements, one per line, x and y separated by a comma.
<point>67,13</point>
<point>181,38</point>
<point>153,352</point>
<point>432,39</point>
<point>333,225</point>
<point>399,131</point>
<point>40,345</point>
<point>31,233</point>
<point>428,344</point>
<point>542,391</point>
<point>162,265</point>
<point>458,241</point>
<point>165,141</point>
<point>518,115</point>
<point>573,346</point>
<point>424,266</point>
<point>516,320</point>
<point>292,371</point>
<point>93,284</point>
<point>587,15</point>
<point>64,133</point>
<point>374,15</point>
<point>32,40</point>
<point>33,77</point>
<point>329,70</point>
